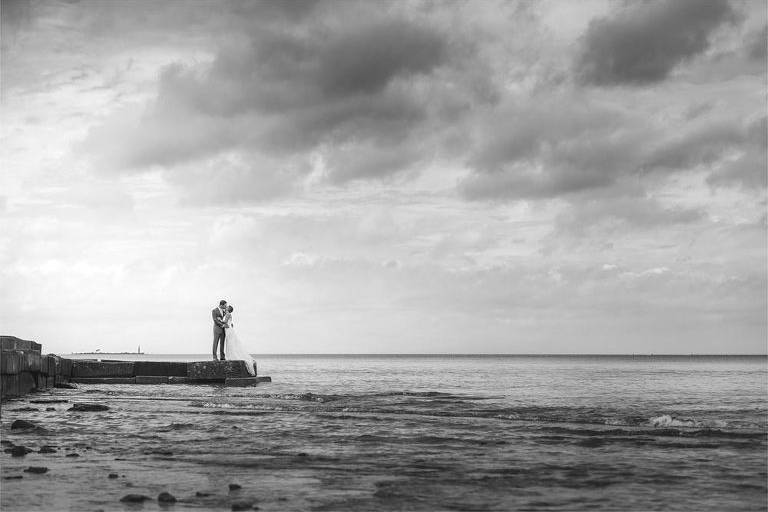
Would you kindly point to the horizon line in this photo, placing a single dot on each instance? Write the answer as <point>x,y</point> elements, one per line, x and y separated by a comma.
<point>525,354</point>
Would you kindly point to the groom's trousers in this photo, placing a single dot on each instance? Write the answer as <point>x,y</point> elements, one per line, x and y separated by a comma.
<point>218,340</point>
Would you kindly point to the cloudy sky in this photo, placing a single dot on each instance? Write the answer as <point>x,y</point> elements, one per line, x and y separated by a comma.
<point>385,177</point>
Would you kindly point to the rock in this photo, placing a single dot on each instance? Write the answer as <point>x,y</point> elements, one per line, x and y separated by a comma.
<point>72,455</point>
<point>36,469</point>
<point>134,498</point>
<point>166,497</point>
<point>235,487</point>
<point>14,477</point>
<point>164,453</point>
<point>22,424</point>
<point>242,505</point>
<point>200,494</point>
<point>113,475</point>
<point>88,407</point>
<point>20,451</point>
<point>302,454</point>
<point>49,409</point>
<point>48,449</point>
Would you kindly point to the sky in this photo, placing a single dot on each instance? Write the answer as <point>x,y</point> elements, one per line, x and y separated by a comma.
<point>385,177</point>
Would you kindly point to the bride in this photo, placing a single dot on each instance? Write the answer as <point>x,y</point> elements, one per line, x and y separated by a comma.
<point>233,347</point>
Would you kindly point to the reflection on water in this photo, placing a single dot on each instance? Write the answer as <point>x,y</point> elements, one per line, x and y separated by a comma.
<point>416,433</point>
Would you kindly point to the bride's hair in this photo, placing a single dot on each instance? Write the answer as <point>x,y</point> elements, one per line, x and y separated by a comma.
<point>230,309</point>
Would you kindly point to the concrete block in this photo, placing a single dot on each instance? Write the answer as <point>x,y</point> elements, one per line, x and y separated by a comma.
<point>14,343</point>
<point>9,386</point>
<point>31,362</point>
<point>104,380</point>
<point>35,347</point>
<point>10,362</point>
<point>216,370</point>
<point>92,369</point>
<point>64,367</point>
<point>26,383</point>
<point>245,381</point>
<point>49,365</point>
<point>151,379</point>
<point>178,380</point>
<point>167,368</point>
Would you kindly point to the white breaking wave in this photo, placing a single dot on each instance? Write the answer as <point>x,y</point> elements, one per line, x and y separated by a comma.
<point>668,421</point>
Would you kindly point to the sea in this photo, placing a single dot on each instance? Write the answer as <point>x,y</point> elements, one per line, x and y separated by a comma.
<point>409,432</point>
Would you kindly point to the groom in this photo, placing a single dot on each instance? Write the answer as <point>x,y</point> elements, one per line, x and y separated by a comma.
<point>218,328</point>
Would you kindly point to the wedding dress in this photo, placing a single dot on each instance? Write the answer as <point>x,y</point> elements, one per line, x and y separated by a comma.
<point>233,347</point>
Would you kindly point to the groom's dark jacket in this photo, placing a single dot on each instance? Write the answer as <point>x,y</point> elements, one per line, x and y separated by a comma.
<point>218,319</point>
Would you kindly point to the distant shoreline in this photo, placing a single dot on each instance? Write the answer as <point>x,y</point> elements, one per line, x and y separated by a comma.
<point>359,355</point>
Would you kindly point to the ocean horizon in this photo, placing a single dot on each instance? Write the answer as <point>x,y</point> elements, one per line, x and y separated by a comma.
<point>481,354</point>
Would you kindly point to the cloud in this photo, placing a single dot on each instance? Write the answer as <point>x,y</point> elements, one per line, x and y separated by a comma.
<point>359,95</point>
<point>620,212</point>
<point>749,167</point>
<point>755,45</point>
<point>700,143</point>
<point>642,43</point>
<point>236,178</point>
<point>553,146</point>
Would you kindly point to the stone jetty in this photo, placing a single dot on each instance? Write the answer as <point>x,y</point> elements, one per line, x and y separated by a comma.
<point>23,369</point>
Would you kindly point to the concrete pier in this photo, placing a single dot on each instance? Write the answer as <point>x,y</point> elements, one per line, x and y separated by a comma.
<point>23,369</point>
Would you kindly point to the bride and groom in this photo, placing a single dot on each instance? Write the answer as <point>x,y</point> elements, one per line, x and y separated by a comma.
<point>226,339</point>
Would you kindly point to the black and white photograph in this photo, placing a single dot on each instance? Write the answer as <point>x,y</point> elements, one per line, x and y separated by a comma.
<point>383,255</point>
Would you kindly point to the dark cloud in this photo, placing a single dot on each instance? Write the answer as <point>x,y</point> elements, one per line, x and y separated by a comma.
<point>755,45</point>
<point>367,59</point>
<point>549,148</point>
<point>364,90</point>
<point>643,42</point>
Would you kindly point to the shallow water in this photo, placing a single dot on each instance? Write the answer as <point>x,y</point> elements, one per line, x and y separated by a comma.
<point>412,433</point>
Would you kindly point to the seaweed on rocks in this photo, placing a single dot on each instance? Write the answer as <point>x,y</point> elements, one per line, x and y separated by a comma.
<point>22,424</point>
<point>87,407</point>
<point>166,497</point>
<point>134,498</point>
<point>20,451</point>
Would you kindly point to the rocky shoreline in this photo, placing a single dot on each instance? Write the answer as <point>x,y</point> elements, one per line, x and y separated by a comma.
<point>63,432</point>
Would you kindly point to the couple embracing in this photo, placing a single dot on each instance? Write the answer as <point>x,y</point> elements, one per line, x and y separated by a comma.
<point>226,339</point>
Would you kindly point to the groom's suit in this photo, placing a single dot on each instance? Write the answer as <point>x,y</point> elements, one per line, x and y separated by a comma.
<point>218,331</point>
